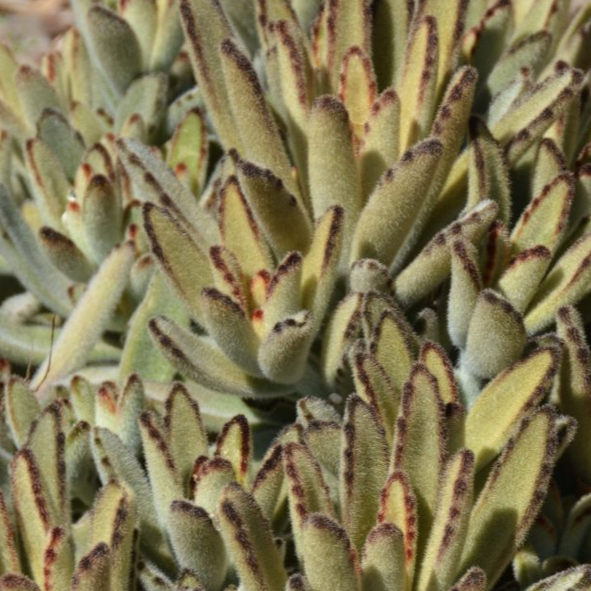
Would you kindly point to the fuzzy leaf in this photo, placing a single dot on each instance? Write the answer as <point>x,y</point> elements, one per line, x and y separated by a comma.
<point>418,81</point>
<point>383,559</point>
<point>113,523</point>
<point>512,495</point>
<point>164,477</point>
<point>209,479</point>
<point>92,572</point>
<point>392,215</point>
<point>434,358</point>
<point>307,491</point>
<point>199,359</point>
<point>544,221</point>
<point>172,245</point>
<point>380,144</point>
<point>206,26</point>
<point>521,280</point>
<point>575,386</point>
<point>466,284</point>
<point>116,47</point>
<point>197,544</point>
<point>331,156</point>
<point>85,325</point>
<point>432,266</point>
<point>327,549</point>
<point>364,467</point>
<point>473,580</point>
<point>185,432</point>
<point>13,582</point>
<point>284,352</point>
<point>509,396</point>
<point>9,558</point>
<point>273,204</point>
<point>496,335</point>
<point>446,539</point>
<point>235,445</point>
<point>565,284</point>
<point>250,542</point>
<point>21,408</point>
<point>420,456</point>
<point>267,486</point>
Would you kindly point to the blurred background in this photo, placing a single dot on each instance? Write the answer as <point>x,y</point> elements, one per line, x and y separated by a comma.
<point>28,26</point>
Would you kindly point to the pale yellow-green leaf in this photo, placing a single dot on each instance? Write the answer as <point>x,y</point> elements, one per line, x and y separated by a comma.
<point>383,559</point>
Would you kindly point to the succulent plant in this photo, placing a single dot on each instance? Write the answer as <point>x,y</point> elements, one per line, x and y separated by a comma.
<point>346,229</point>
<point>107,490</point>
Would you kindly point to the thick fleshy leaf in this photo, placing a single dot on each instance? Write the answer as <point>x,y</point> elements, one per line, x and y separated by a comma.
<point>86,324</point>
<point>284,352</point>
<point>328,549</point>
<point>92,572</point>
<point>565,284</point>
<point>446,539</point>
<point>383,560</point>
<point>496,335</point>
<point>418,81</point>
<point>164,477</point>
<point>234,444</point>
<point>575,386</point>
<point>307,492</point>
<point>512,495</point>
<point>521,280</point>
<point>509,396</point>
<point>116,47</point>
<point>185,432</point>
<point>544,222</point>
<point>380,144</point>
<point>250,541</point>
<point>333,175</point>
<point>14,582</point>
<point>364,467</point>
<point>202,361</point>
<point>389,223</point>
<point>466,284</point>
<point>197,544</point>
<point>172,246</point>
<point>273,204</point>
<point>420,455</point>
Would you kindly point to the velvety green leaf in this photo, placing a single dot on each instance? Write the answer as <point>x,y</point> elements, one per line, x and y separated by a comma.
<point>206,26</point>
<point>116,47</point>
<point>509,396</point>
<point>566,283</point>
<point>512,495</point>
<point>446,539</point>
<point>92,572</point>
<point>544,222</point>
<point>473,580</point>
<point>259,135</point>
<point>284,352</point>
<point>197,544</point>
<point>171,244</point>
<point>381,138</point>
<point>575,386</point>
<point>164,477</point>
<point>432,266</point>
<point>9,557</point>
<point>420,455</point>
<point>434,358</point>
<point>273,204</point>
<point>521,280</point>
<point>85,325</point>
<point>113,523</point>
<point>496,335</point>
<point>267,487</point>
<point>209,479</point>
<point>35,94</point>
<point>364,467</point>
<point>383,559</point>
<point>65,255</point>
<point>418,81</point>
<point>202,361</point>
<point>307,491</point>
<point>488,176</point>
<point>466,284</point>
<point>327,550</point>
<point>389,223</point>
<point>185,432</point>
<point>13,582</point>
<point>21,409</point>
<point>250,542</point>
<point>234,444</point>
<point>332,168</point>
